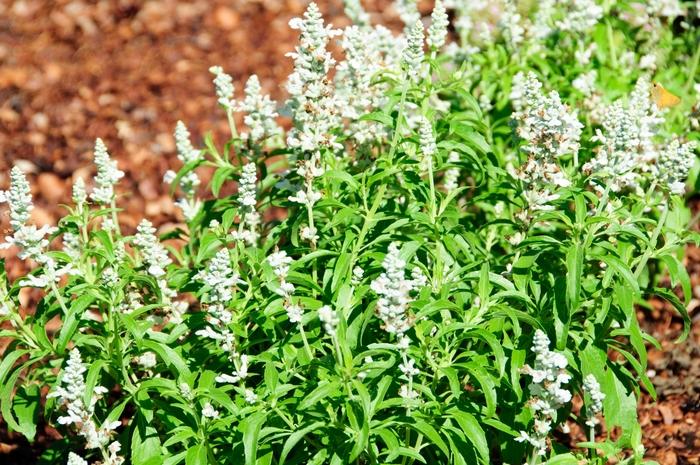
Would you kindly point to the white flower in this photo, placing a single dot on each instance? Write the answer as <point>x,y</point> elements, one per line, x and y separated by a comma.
<point>261,115</point>
<point>279,261</point>
<point>220,277</point>
<point>75,459</point>
<point>208,411</point>
<point>627,141</point>
<point>250,396</point>
<point>394,292</point>
<point>306,198</point>
<point>546,389</point>
<point>451,178</point>
<point>408,368</point>
<point>592,388</point>
<point>585,83</point>
<point>549,130</point>
<point>426,138</point>
<point>329,318</point>
<point>674,163</point>
<point>114,458</point>
<point>107,174</point>
<point>19,198</point>
<point>581,16</point>
<point>169,177</point>
<point>437,32</point>
<point>315,111</point>
<point>147,360</point>
<point>186,153</point>
<point>155,256</point>
<point>79,193</point>
<point>357,275</point>
<point>413,55</point>
<point>407,11</point>
<point>647,61</point>
<point>239,374</point>
<point>407,393</point>
<point>223,84</point>
<point>510,23</point>
<point>294,313</point>
<point>309,233</point>
<point>368,52</point>
<point>77,412</point>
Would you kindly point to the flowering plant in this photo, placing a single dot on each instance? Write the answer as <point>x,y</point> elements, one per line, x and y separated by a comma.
<point>440,256</point>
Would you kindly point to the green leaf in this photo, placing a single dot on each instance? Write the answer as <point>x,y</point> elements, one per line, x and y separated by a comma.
<point>26,407</point>
<point>474,432</point>
<point>71,320</point>
<point>431,433</point>
<point>196,455</point>
<point>324,389</point>
<point>145,444</point>
<point>297,435</point>
<point>680,308</point>
<point>250,427</point>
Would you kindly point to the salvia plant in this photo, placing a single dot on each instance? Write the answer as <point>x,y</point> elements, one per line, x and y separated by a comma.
<point>440,261</point>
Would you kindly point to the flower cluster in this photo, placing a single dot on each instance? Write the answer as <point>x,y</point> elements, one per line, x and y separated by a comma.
<point>550,131</point>
<point>395,290</point>
<point>260,112</point>
<point>189,182</point>
<point>592,388</point>
<point>30,240</point>
<point>437,32</point>
<point>329,318</point>
<point>674,164</point>
<point>428,147</point>
<point>413,54</point>
<point>70,393</point>
<point>107,175</point>
<point>451,177</point>
<point>368,52</point>
<point>280,263</point>
<point>223,84</point>
<point>312,99</point>
<point>155,257</point>
<point>546,390</point>
<point>249,220</point>
<point>627,149</point>
<point>220,280</point>
<point>580,16</point>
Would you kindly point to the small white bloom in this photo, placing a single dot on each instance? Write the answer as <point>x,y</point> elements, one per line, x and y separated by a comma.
<point>223,84</point>
<point>147,360</point>
<point>329,318</point>
<point>107,174</point>
<point>208,411</point>
<point>437,32</point>
<point>294,313</point>
<point>250,396</point>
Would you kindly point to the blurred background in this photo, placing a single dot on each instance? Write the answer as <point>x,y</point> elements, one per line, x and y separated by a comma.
<point>127,70</point>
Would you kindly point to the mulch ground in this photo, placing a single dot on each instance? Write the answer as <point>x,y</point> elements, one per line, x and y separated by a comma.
<point>127,70</point>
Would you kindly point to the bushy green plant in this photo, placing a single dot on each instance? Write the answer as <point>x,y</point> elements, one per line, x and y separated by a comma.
<point>445,249</point>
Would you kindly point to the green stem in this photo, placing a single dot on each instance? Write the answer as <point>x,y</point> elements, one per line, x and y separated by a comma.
<point>652,242</point>
<point>399,119</point>
<point>115,217</point>
<point>59,297</point>
<point>306,342</point>
<point>379,196</point>
<point>231,123</point>
<point>611,42</point>
<point>693,69</point>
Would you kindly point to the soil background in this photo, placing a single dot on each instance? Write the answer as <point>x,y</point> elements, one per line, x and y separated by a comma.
<point>127,70</point>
